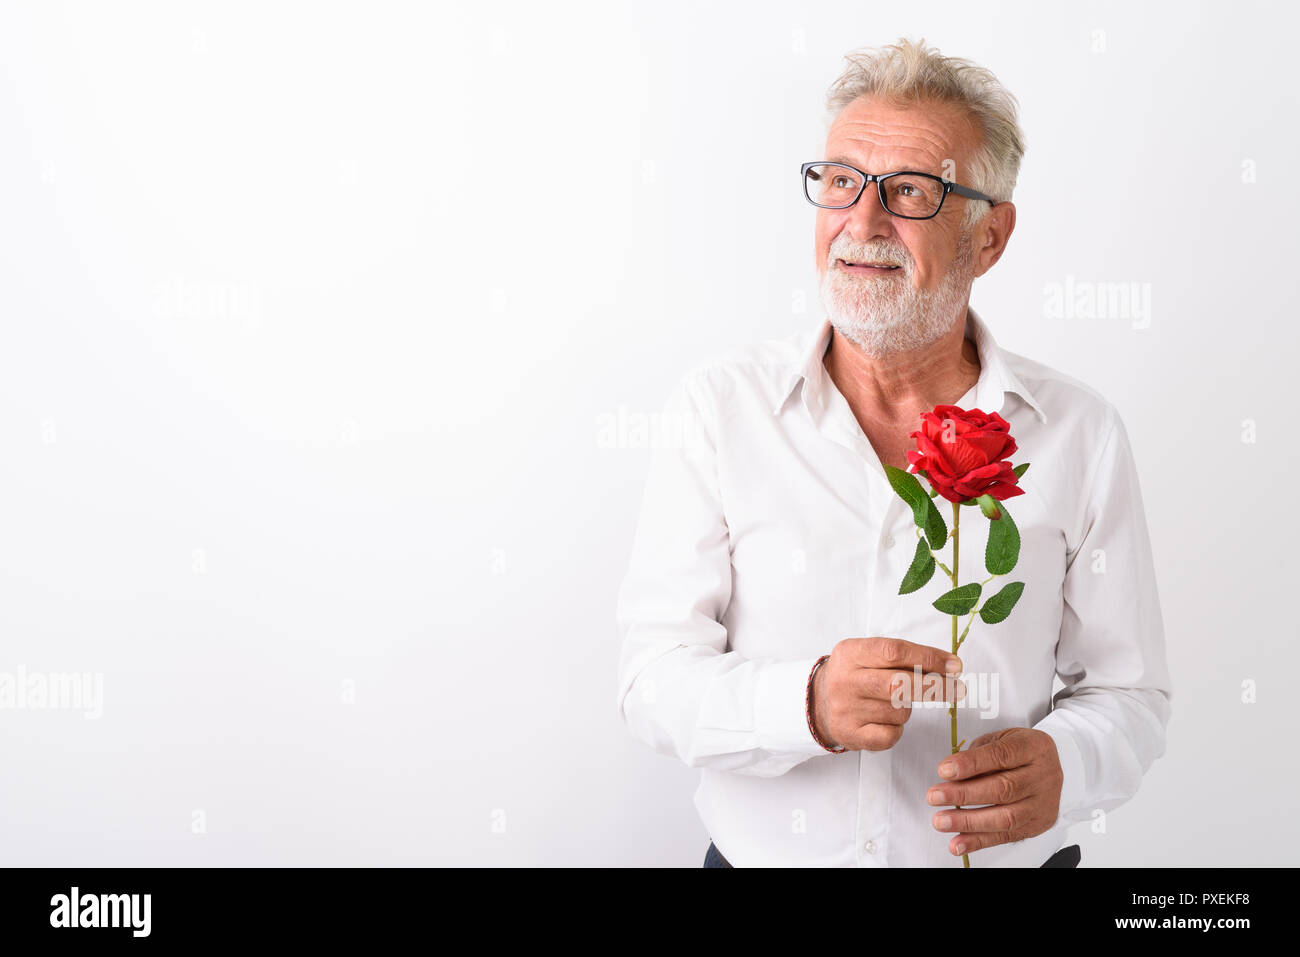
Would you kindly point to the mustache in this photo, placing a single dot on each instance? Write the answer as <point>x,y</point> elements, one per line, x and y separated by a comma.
<point>895,255</point>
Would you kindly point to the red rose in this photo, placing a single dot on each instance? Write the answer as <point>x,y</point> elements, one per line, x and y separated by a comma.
<point>972,461</point>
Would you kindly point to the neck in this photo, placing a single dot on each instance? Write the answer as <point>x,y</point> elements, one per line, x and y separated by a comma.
<point>900,386</point>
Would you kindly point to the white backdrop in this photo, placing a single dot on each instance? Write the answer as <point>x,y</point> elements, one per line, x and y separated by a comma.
<point>309,335</point>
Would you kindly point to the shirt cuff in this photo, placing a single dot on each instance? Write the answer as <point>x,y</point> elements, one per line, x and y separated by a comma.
<point>780,712</point>
<point>1072,785</point>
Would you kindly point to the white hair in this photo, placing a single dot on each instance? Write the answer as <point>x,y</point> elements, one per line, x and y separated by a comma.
<point>907,72</point>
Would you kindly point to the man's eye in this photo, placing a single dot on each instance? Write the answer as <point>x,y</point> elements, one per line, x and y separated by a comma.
<point>907,189</point>
<point>842,182</point>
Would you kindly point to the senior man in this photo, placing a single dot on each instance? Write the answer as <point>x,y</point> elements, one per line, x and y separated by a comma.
<point>769,535</point>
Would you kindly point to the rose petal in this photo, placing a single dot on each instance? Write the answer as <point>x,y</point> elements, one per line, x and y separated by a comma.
<point>989,444</point>
<point>977,480</point>
<point>1002,492</point>
<point>935,454</point>
<point>966,457</point>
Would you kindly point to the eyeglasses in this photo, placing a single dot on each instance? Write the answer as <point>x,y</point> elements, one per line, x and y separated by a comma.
<point>906,194</point>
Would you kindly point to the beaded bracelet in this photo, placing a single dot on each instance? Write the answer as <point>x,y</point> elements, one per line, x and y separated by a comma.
<point>807,707</point>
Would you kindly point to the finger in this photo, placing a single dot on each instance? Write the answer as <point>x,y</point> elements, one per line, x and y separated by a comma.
<point>915,686</point>
<point>984,820</point>
<point>968,843</point>
<point>874,711</point>
<point>903,687</point>
<point>999,787</point>
<point>984,739</point>
<point>905,655</point>
<point>876,737</point>
<point>1010,751</point>
<point>882,684</point>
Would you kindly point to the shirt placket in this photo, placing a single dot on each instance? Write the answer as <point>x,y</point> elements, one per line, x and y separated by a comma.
<point>886,511</point>
<point>876,768</point>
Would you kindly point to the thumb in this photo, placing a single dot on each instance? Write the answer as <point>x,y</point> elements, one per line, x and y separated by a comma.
<point>984,739</point>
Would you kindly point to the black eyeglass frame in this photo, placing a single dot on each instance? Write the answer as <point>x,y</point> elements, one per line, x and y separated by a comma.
<point>948,187</point>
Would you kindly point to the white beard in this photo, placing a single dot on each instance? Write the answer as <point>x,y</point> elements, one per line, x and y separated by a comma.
<point>886,314</point>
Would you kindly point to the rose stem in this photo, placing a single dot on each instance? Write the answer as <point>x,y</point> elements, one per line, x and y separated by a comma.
<point>956,558</point>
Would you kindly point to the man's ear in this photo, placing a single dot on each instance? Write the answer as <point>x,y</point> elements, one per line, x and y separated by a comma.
<point>992,235</point>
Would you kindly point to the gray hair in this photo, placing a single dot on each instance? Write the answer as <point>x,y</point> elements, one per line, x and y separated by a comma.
<point>906,72</point>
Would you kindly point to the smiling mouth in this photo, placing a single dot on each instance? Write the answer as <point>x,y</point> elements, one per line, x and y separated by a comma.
<point>867,266</point>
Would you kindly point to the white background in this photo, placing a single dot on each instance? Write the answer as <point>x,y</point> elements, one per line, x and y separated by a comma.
<point>311,314</point>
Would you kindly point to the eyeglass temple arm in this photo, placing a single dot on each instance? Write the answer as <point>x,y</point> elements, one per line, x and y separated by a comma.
<point>971,193</point>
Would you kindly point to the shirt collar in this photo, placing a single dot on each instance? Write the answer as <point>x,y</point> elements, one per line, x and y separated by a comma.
<point>995,379</point>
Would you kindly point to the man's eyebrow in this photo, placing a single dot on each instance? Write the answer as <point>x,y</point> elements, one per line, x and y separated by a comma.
<point>854,164</point>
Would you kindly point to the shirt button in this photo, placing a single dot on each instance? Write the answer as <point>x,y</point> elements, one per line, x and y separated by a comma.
<point>869,847</point>
<point>889,541</point>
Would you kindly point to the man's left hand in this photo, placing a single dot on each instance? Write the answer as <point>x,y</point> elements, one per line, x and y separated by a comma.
<point>1017,772</point>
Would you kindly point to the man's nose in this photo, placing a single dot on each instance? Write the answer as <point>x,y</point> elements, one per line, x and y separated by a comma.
<point>867,218</point>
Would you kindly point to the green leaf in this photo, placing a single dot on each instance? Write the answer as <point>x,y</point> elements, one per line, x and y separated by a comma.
<point>924,512</point>
<point>999,606</point>
<point>1021,469</point>
<point>936,529</point>
<point>909,490</point>
<point>921,570</point>
<point>989,506</point>
<point>1003,549</point>
<point>959,600</point>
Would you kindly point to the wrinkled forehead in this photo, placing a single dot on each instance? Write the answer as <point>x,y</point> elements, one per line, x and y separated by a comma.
<point>880,136</point>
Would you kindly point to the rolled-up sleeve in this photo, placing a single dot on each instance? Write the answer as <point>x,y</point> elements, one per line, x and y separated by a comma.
<point>1109,720</point>
<point>679,689</point>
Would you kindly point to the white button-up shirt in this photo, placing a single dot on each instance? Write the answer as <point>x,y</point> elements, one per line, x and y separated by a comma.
<point>768,532</point>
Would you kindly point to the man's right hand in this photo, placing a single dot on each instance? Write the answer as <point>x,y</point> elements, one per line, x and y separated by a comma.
<point>862,694</point>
